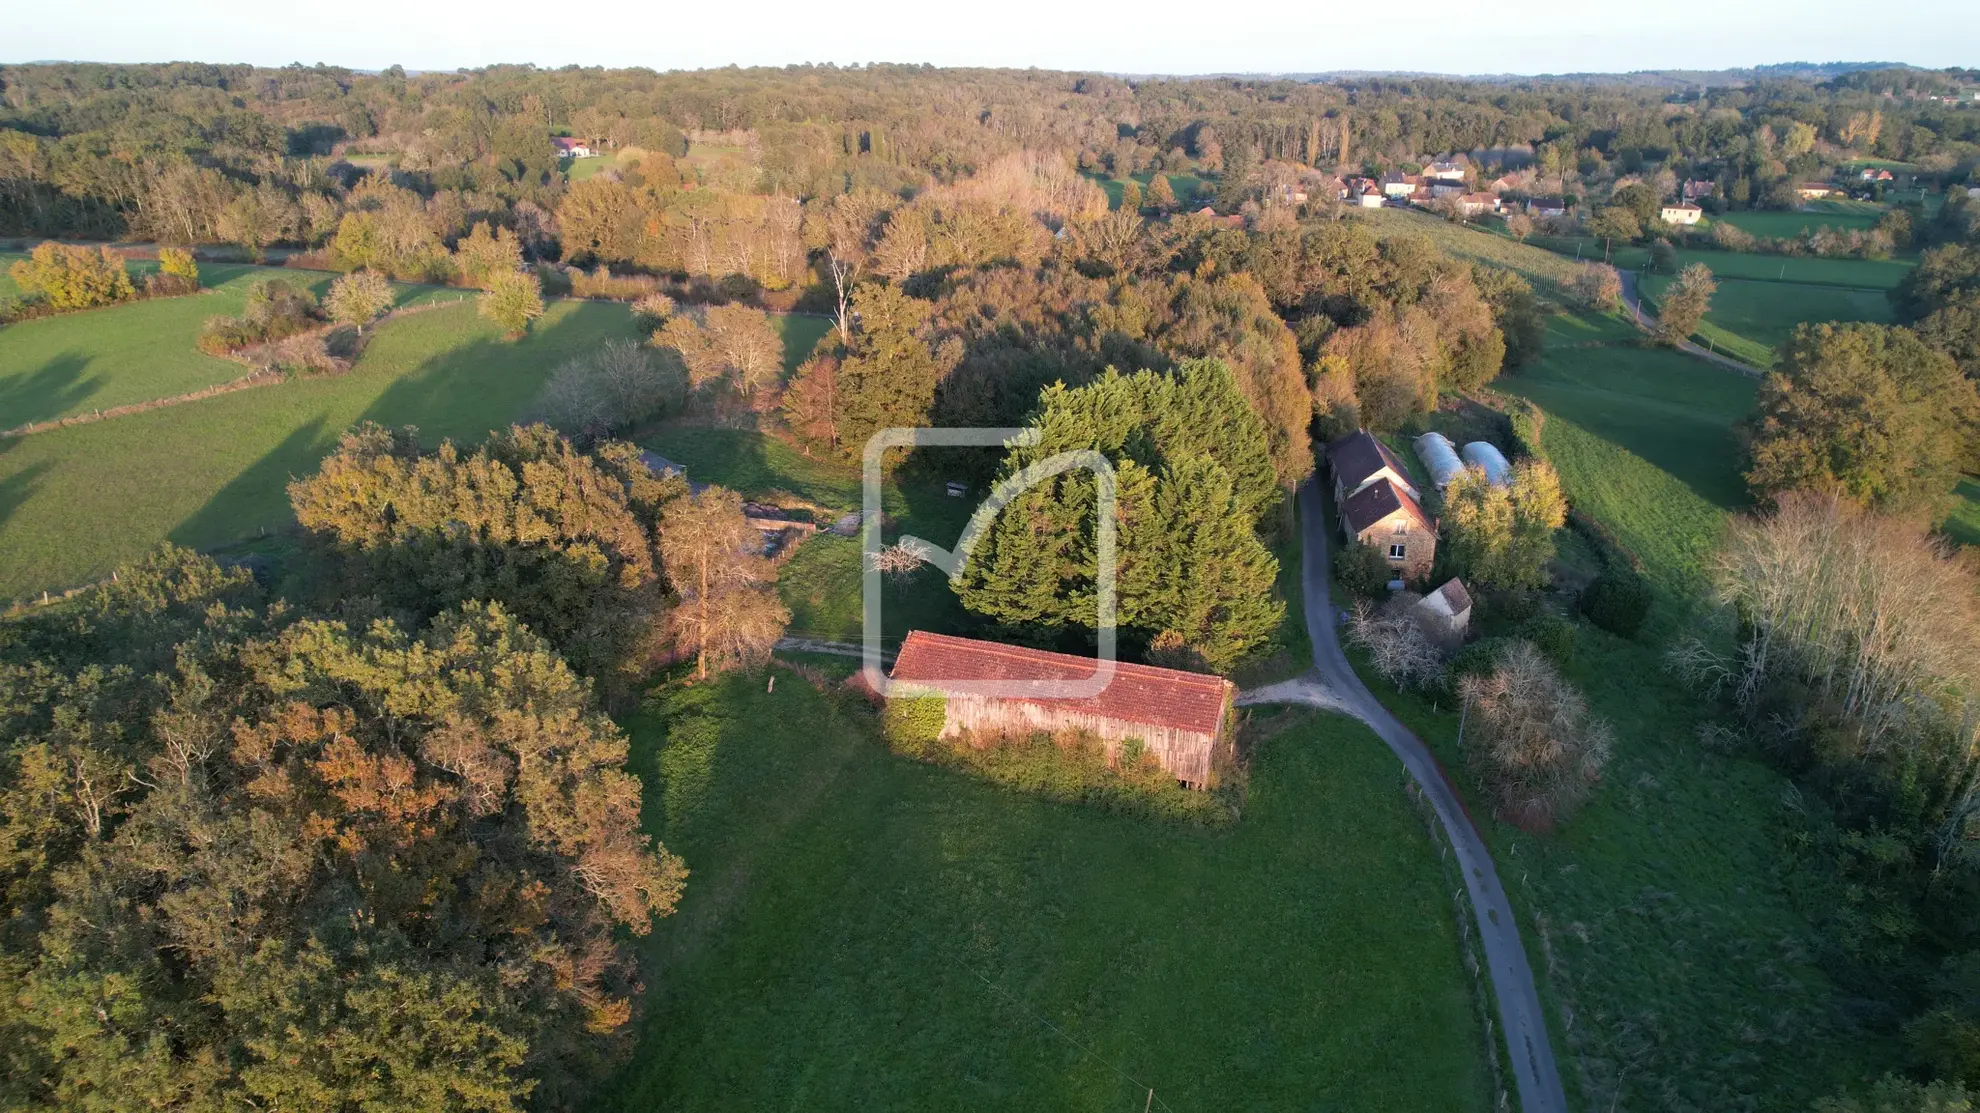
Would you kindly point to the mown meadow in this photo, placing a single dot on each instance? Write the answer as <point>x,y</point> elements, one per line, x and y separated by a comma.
<point>865,932</point>
<point>78,500</point>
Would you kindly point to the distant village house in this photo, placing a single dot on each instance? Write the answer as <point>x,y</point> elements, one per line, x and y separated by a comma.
<point>571,148</point>
<point>1681,214</point>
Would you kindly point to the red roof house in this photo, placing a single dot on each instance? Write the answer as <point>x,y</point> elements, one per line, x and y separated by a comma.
<point>1177,716</point>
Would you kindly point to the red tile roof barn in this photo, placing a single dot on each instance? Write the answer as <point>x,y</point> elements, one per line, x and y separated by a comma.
<point>1142,694</point>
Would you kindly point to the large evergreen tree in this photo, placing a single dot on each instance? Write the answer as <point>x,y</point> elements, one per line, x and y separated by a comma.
<point>1192,482</point>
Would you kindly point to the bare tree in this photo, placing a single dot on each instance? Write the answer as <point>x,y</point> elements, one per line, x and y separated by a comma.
<point>1396,644</point>
<point>1530,739</point>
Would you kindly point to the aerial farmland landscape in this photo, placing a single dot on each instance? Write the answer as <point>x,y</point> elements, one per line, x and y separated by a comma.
<point>1139,569</point>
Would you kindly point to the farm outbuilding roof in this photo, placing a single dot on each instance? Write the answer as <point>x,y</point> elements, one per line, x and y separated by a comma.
<point>1449,600</point>
<point>1142,694</point>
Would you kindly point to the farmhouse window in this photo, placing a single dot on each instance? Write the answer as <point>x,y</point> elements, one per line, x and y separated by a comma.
<point>1395,552</point>
<point>1402,528</point>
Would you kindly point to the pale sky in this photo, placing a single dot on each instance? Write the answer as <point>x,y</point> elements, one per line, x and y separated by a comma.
<point>1119,36</point>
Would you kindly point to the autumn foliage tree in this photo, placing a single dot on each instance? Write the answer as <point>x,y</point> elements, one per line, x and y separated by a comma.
<point>1865,411</point>
<point>1503,537</point>
<point>1685,303</point>
<point>253,861</point>
<point>73,277</point>
<point>728,613</point>
<point>566,541</point>
<point>512,300</point>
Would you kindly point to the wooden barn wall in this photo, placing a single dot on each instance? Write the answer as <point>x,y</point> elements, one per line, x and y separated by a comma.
<point>1185,754</point>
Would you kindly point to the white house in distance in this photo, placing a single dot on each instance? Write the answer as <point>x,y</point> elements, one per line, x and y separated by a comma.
<point>1444,171</point>
<point>1370,197</point>
<point>1681,214</point>
<point>1544,207</point>
<point>568,147</point>
<point>1480,202</point>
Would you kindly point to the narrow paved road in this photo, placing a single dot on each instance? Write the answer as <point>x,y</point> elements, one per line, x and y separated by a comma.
<point>1334,684</point>
<point>1648,324</point>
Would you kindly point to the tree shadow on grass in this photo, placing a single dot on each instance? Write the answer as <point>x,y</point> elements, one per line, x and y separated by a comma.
<point>461,394</point>
<point>16,489</point>
<point>57,388</point>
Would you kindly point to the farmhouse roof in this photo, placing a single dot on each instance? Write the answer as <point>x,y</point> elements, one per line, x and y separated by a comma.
<point>1377,501</point>
<point>1143,694</point>
<point>1683,208</point>
<point>1359,455</point>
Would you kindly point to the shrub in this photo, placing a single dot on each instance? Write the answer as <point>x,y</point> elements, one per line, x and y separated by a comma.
<point>1070,766</point>
<point>1476,659</point>
<point>602,283</point>
<point>1530,739</point>
<point>912,725</point>
<point>1362,571</point>
<point>163,285</point>
<point>1618,601</point>
<point>1552,635</point>
<point>74,277</point>
<point>275,311</point>
<point>177,262</point>
<point>650,311</point>
<point>620,384</point>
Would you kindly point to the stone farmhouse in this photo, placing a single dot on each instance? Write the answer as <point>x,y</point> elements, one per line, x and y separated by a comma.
<point>1379,506</point>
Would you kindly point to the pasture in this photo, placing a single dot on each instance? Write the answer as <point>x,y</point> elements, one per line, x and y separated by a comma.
<point>1546,270</point>
<point>865,932</point>
<point>1186,186</point>
<point>1869,274</point>
<point>1749,320</point>
<point>77,501</point>
<point>71,364</point>
<point>1796,225</point>
<point>1664,911</point>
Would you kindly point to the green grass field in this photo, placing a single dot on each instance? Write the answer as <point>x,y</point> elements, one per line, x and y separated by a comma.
<point>72,364</point>
<point>578,169</point>
<point>1780,226</point>
<point>1186,186</point>
<point>862,932</point>
<point>1870,274</point>
<point>1749,320</point>
<point>77,501</point>
<point>1963,526</point>
<point>1546,270</point>
<point>800,334</point>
